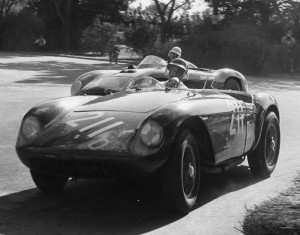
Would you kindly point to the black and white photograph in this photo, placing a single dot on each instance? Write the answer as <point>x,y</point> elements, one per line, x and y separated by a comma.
<point>152,117</point>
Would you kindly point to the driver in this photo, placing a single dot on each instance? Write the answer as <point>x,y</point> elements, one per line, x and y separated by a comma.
<point>174,53</point>
<point>178,70</point>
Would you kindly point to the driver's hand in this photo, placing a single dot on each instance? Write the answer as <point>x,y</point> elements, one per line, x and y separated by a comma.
<point>173,82</point>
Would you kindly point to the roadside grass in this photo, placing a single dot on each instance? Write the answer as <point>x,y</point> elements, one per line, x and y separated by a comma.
<point>280,215</point>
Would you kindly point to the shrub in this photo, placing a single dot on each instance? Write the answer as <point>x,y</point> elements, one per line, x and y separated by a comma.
<point>241,47</point>
<point>280,215</point>
<point>142,39</point>
<point>98,37</point>
<point>161,49</point>
<point>22,30</point>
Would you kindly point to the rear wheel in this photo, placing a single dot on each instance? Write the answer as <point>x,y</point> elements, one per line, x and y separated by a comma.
<point>48,183</point>
<point>263,160</point>
<point>232,84</point>
<point>181,176</point>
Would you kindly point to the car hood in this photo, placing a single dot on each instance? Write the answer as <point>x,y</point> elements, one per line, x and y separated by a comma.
<point>78,119</point>
<point>133,101</point>
<point>106,123</point>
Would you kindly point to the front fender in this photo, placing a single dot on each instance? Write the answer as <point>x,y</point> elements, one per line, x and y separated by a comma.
<point>49,111</point>
<point>264,103</point>
<point>86,78</point>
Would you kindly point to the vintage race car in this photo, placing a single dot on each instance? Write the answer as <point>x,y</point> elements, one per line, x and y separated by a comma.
<point>108,81</point>
<point>170,133</point>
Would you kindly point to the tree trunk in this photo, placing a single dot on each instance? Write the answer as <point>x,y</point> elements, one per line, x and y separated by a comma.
<point>66,36</point>
<point>63,10</point>
<point>162,32</point>
<point>67,25</point>
<point>215,7</point>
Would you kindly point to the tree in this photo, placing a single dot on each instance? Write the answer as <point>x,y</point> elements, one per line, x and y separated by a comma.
<point>17,35</point>
<point>142,39</point>
<point>63,11</point>
<point>98,37</point>
<point>6,6</point>
<point>65,19</point>
<point>58,16</point>
<point>107,10</point>
<point>256,11</point>
<point>165,11</point>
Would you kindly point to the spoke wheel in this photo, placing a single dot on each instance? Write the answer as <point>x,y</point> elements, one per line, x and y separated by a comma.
<point>271,144</point>
<point>188,173</point>
<point>263,160</point>
<point>181,176</point>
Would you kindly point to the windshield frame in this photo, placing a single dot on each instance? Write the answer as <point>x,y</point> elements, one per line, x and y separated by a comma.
<point>152,61</point>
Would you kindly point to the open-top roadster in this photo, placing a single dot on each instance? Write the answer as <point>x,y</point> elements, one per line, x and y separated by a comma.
<point>108,81</point>
<point>149,130</point>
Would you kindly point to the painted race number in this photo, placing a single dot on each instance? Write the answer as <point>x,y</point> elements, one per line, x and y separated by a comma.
<point>75,122</point>
<point>237,117</point>
<point>98,123</point>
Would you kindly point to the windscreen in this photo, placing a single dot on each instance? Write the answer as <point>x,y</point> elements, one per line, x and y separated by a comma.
<point>152,61</point>
<point>116,83</point>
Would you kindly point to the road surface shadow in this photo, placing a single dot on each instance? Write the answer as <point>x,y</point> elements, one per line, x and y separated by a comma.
<point>45,69</point>
<point>216,185</point>
<point>49,69</point>
<point>105,207</point>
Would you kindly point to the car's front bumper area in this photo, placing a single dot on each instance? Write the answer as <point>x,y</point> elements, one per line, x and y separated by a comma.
<point>91,164</point>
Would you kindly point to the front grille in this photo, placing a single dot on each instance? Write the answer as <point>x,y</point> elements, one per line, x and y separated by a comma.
<point>74,168</point>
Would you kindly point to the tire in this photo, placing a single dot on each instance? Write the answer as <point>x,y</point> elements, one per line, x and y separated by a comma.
<point>232,84</point>
<point>48,183</point>
<point>181,175</point>
<point>263,160</point>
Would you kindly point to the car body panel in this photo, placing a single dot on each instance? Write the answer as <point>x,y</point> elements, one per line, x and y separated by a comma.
<point>106,128</point>
<point>155,67</point>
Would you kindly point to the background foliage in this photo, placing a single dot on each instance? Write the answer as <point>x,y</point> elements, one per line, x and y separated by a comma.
<point>237,46</point>
<point>142,39</point>
<point>98,37</point>
<point>247,38</point>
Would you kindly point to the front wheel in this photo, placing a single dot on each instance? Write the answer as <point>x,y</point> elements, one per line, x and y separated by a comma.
<point>263,160</point>
<point>48,183</point>
<point>181,176</point>
<point>232,84</point>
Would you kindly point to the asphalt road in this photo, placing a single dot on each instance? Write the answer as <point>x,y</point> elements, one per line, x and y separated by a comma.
<point>125,207</point>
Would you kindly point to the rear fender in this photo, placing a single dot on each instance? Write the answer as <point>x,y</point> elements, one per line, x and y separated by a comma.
<point>223,74</point>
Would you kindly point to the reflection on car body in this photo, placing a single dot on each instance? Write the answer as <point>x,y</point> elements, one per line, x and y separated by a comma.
<point>126,124</point>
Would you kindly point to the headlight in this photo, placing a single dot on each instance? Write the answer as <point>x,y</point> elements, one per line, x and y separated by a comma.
<point>76,86</point>
<point>31,127</point>
<point>151,134</point>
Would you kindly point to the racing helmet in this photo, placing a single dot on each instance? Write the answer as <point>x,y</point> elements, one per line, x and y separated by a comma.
<point>175,52</point>
<point>178,68</point>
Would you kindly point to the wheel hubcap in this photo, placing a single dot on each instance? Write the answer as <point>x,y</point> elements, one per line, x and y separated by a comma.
<point>271,145</point>
<point>191,170</point>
